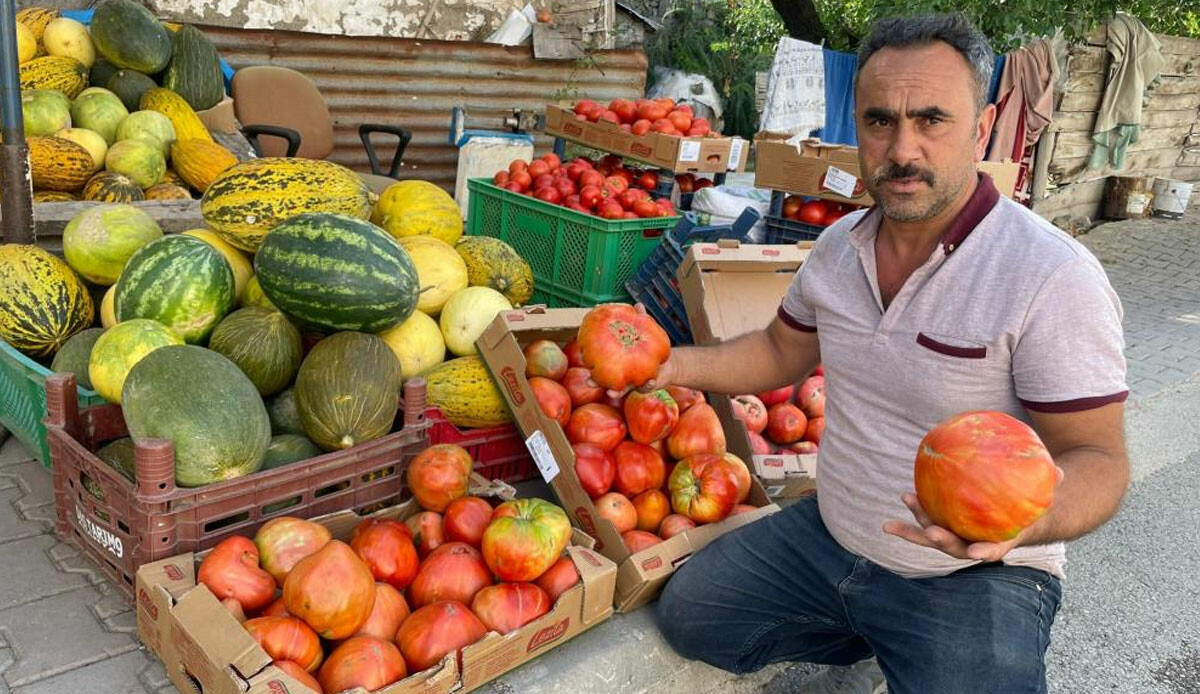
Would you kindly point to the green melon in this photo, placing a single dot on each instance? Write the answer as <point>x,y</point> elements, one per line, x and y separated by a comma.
<point>205,405</point>
<point>129,85</point>
<point>74,356</point>
<point>195,69</point>
<point>120,348</point>
<point>264,344</point>
<point>44,111</point>
<point>282,411</point>
<point>286,449</point>
<point>100,111</point>
<point>120,455</point>
<point>98,241</point>
<point>102,71</point>
<point>179,281</point>
<point>335,272</point>
<point>129,36</point>
<point>143,162</point>
<point>150,127</point>
<point>347,390</point>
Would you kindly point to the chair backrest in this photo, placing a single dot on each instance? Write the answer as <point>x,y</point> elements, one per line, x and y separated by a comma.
<point>270,95</point>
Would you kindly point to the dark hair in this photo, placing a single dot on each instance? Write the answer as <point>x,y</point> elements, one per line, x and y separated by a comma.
<point>924,29</point>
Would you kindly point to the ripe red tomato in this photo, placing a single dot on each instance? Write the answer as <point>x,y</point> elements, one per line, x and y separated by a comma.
<point>427,531</point>
<point>565,187</point>
<point>618,510</point>
<point>506,607</point>
<point>585,105</point>
<point>589,196</point>
<point>525,538</point>
<point>538,168</point>
<point>647,181</point>
<point>703,183</point>
<point>610,209</point>
<point>543,181</point>
<point>595,469</point>
<point>833,216</point>
<point>698,431</point>
<point>549,194</point>
<point>522,179</point>
<point>576,383</point>
<point>500,178</point>
<point>623,346</point>
<point>231,571</point>
<point>553,399</point>
<point>664,125</point>
<point>680,120</point>
<point>646,209</point>
<point>650,416</point>
<point>591,177</point>
<point>704,488</point>
<point>574,170</point>
<point>674,524</point>
<point>597,424</point>
<point>702,124</point>
<point>618,182</point>
<point>651,111</point>
<point>287,638</point>
<point>552,160</point>
<point>438,475</point>
<point>610,116</point>
<point>686,183</point>
<point>466,519</point>
<point>640,127</point>
<point>639,468</point>
<point>454,571</point>
<point>559,578</point>
<point>386,547</point>
<point>517,165</point>
<point>514,187</point>
<point>791,206</point>
<point>813,212</point>
<point>432,632</point>
<point>627,111</point>
<point>786,424</point>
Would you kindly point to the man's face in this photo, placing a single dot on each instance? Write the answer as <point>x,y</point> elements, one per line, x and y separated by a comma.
<point>918,134</point>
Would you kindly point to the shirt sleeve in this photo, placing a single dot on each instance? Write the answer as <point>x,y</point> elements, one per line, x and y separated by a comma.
<point>794,311</point>
<point>1070,354</point>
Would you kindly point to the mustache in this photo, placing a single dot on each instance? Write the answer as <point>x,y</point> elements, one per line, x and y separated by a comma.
<point>893,172</point>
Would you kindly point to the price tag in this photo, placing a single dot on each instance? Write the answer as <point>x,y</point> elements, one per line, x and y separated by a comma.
<point>840,182</point>
<point>539,448</point>
<point>689,151</point>
<point>735,153</point>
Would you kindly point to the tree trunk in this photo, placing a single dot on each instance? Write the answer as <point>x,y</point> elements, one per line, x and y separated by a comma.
<point>801,19</point>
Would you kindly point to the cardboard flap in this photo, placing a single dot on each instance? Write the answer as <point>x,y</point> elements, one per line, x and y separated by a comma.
<point>482,486</point>
<point>176,575</point>
<point>779,467</point>
<point>200,618</point>
<point>598,576</point>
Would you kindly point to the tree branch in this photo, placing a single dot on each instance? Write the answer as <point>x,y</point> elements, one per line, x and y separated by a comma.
<point>801,19</point>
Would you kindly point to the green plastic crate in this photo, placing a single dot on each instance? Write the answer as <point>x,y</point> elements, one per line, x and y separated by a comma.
<point>577,259</point>
<point>23,399</point>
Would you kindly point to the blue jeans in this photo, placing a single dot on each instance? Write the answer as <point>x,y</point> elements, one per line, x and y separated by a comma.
<point>782,589</point>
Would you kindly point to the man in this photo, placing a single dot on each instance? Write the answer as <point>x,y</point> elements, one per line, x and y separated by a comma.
<point>943,298</point>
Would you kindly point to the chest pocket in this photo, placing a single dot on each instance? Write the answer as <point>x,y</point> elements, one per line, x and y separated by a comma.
<point>952,346</point>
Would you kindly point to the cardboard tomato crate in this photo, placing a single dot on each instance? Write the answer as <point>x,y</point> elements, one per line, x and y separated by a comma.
<point>829,171</point>
<point>675,154</point>
<point>205,649</point>
<point>642,575</point>
<point>730,289</point>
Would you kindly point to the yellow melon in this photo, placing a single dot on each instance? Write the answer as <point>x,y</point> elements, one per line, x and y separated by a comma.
<point>418,208</point>
<point>441,271</point>
<point>417,343</point>
<point>467,314</point>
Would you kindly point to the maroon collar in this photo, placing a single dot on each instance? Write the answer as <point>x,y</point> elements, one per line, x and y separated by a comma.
<point>978,206</point>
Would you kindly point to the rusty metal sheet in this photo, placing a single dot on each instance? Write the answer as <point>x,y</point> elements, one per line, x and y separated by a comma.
<point>415,83</point>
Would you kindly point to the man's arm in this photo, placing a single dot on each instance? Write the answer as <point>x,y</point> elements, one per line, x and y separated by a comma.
<point>754,362</point>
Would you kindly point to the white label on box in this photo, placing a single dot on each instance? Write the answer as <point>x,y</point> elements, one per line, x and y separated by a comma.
<point>840,182</point>
<point>539,448</point>
<point>1136,204</point>
<point>735,153</point>
<point>689,151</point>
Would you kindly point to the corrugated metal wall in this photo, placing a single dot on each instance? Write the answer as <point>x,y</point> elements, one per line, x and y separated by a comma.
<point>415,83</point>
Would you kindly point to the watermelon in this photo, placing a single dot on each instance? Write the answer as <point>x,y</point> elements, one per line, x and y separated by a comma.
<point>98,241</point>
<point>347,390</point>
<point>140,160</point>
<point>205,405</point>
<point>74,356</point>
<point>120,455</point>
<point>282,411</point>
<point>42,302</point>
<point>120,348</point>
<point>334,272</point>
<point>264,344</point>
<point>130,36</point>
<point>195,69</point>
<point>179,281</point>
<point>286,449</point>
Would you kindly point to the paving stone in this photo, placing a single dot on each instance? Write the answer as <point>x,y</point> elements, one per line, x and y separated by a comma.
<point>59,634</point>
<point>34,479</point>
<point>117,675</point>
<point>13,451</point>
<point>29,574</point>
<point>15,525</point>
<point>154,677</point>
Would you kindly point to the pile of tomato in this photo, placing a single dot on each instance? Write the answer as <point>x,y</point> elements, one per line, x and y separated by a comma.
<point>647,116</point>
<point>604,188</point>
<point>816,212</point>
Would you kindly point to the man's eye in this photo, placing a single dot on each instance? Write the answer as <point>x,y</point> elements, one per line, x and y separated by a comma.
<point>880,122</point>
<point>934,120</point>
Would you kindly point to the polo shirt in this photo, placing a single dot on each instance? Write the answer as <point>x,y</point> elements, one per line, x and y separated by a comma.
<point>1008,314</point>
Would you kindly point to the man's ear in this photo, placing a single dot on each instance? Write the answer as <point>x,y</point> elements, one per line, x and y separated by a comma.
<point>983,131</point>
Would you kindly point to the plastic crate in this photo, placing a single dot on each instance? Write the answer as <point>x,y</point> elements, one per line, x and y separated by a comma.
<point>499,452</point>
<point>781,230</point>
<point>23,400</point>
<point>577,259</point>
<point>121,524</point>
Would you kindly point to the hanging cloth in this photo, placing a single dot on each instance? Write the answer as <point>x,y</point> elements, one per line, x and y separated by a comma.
<point>1137,62</point>
<point>1025,100</point>
<point>796,91</point>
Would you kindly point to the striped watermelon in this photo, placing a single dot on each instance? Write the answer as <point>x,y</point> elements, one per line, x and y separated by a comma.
<point>179,281</point>
<point>42,301</point>
<point>334,272</point>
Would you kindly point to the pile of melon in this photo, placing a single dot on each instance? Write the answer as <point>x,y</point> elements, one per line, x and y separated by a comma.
<point>110,109</point>
<point>283,330</point>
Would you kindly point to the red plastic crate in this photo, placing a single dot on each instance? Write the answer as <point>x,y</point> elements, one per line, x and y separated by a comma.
<point>499,452</point>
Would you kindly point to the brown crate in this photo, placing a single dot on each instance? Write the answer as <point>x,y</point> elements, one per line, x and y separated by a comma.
<point>121,525</point>
<point>642,575</point>
<point>204,648</point>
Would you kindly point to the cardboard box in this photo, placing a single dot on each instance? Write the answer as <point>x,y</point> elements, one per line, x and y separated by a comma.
<point>639,576</point>
<point>730,289</point>
<point>678,154</point>
<point>220,118</point>
<point>205,649</point>
<point>807,170</point>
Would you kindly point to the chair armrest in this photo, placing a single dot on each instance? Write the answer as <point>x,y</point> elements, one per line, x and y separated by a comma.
<point>253,131</point>
<point>403,134</point>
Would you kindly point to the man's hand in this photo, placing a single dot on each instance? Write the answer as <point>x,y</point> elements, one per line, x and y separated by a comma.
<point>927,534</point>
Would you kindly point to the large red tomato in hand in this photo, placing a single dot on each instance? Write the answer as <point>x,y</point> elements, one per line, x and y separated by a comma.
<point>455,571</point>
<point>639,467</point>
<point>387,614</point>
<point>436,630</point>
<point>786,423</point>
<point>595,469</point>
<point>506,607</point>
<point>386,547</point>
<point>553,399</point>
<point>559,578</point>
<point>650,416</point>
<point>525,538</point>
<point>985,476</point>
<point>438,475</point>
<point>466,519</point>
<point>751,411</point>
<point>698,431</point>
<point>576,383</point>
<point>332,590</point>
<point>623,346</point>
<point>283,541</point>
<point>546,359</point>
<point>685,397</point>
<point>704,488</point>
<point>427,531</point>
<point>596,424</point>
<point>231,571</point>
<point>363,661</point>
<point>287,638</point>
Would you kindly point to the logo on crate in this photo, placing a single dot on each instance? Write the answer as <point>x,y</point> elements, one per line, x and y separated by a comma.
<point>652,563</point>
<point>590,558</point>
<point>99,535</point>
<point>589,524</point>
<point>173,572</point>
<point>147,604</point>
<point>548,635</point>
<point>277,687</point>
<point>641,149</point>
<point>509,376</point>
<point>772,462</point>
<point>575,129</point>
